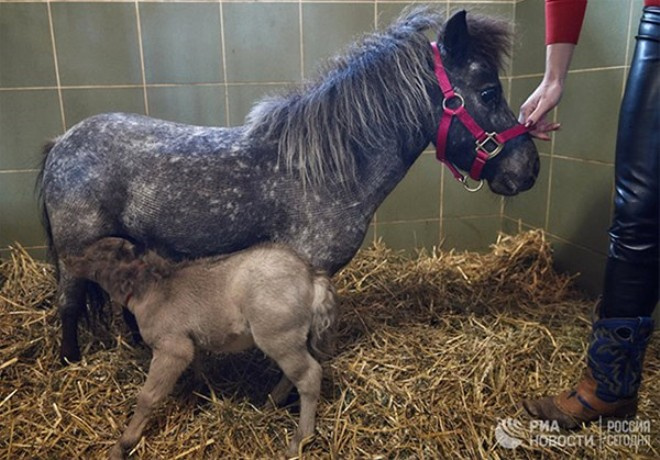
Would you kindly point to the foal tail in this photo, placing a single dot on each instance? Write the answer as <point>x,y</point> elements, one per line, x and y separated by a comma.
<point>323,316</point>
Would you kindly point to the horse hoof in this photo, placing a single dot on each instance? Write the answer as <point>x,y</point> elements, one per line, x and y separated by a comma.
<point>67,357</point>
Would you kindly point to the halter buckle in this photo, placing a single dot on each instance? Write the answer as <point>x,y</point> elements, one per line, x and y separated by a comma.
<point>489,140</point>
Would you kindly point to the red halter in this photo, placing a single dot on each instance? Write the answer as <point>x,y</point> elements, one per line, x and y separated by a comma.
<point>484,141</point>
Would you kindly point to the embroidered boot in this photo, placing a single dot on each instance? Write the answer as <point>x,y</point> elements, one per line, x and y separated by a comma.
<point>610,384</point>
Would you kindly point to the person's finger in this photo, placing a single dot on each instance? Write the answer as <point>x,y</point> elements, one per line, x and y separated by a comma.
<point>528,107</point>
<point>539,112</point>
<point>540,135</point>
<point>525,110</point>
<point>545,126</point>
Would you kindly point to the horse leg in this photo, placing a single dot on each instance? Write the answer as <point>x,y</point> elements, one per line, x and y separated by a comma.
<point>299,367</point>
<point>279,394</point>
<point>71,304</point>
<point>131,322</point>
<point>305,373</point>
<point>169,361</point>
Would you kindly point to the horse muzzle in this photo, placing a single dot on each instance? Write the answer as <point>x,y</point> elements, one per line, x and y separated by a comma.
<point>513,174</point>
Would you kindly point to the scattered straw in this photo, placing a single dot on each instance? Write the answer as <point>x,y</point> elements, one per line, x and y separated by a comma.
<point>431,353</point>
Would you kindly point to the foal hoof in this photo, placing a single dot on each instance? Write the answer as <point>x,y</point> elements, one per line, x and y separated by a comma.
<point>292,451</point>
<point>296,446</point>
<point>117,452</point>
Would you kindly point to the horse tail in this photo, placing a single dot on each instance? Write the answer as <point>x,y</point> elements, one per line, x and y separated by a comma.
<point>323,316</point>
<point>45,219</point>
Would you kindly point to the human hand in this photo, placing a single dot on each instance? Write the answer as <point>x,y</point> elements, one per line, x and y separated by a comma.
<point>534,112</point>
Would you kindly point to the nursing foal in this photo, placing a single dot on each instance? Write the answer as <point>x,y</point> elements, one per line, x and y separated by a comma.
<point>265,296</point>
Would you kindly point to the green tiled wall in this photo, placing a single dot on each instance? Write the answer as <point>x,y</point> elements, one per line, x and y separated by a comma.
<point>207,62</point>
<point>203,63</point>
<point>573,199</point>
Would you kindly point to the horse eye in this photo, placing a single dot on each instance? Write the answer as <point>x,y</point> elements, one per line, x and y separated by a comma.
<point>489,95</point>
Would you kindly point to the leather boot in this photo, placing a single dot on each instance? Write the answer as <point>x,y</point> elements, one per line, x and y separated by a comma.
<point>609,386</point>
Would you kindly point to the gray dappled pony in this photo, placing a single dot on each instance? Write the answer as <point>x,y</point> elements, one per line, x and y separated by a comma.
<point>308,168</point>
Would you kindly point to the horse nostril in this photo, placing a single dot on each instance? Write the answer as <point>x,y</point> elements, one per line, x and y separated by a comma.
<point>511,186</point>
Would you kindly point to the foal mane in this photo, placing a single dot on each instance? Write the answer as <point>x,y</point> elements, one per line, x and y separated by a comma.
<point>322,127</point>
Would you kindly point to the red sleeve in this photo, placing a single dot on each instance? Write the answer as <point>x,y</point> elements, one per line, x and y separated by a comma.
<point>563,20</point>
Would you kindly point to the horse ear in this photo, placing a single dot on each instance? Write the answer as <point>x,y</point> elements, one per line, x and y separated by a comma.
<point>456,37</point>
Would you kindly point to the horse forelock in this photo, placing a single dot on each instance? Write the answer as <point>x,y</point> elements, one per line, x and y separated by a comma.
<point>322,127</point>
<point>490,39</point>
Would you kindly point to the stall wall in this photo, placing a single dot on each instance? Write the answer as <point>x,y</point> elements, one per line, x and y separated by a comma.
<point>203,63</point>
<point>207,62</point>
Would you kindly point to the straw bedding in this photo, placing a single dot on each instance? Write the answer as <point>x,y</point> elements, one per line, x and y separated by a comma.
<point>431,352</point>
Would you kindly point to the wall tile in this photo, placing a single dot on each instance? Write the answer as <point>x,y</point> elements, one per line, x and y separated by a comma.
<point>580,196</point>
<point>531,205</point>
<point>574,259</point>
<point>469,234</point>
<point>589,115</point>
<point>637,8</point>
<point>369,238</point>
<point>181,42</point>
<point>506,90</point>
<point>409,235</point>
<point>27,120</point>
<point>19,210</point>
<point>503,9</point>
<point>457,202</point>
<point>97,43</point>
<point>417,196</point>
<point>329,27</point>
<point>343,1</point>
<point>37,253</point>
<point>243,97</point>
<point>263,42</point>
<point>26,52</point>
<point>595,51</point>
<point>82,103</point>
<point>513,226</point>
<point>196,105</point>
<point>529,48</point>
<point>388,12</point>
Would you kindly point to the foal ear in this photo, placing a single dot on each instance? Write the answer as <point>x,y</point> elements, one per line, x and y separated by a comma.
<point>456,37</point>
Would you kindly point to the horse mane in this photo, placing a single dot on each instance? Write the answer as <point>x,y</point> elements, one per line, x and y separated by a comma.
<point>323,125</point>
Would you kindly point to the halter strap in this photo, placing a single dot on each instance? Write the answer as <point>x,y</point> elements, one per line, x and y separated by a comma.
<point>488,145</point>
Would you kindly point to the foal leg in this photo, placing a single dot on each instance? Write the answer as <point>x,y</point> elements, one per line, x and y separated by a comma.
<point>280,392</point>
<point>71,304</point>
<point>169,361</point>
<point>131,322</point>
<point>290,352</point>
<point>305,373</point>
